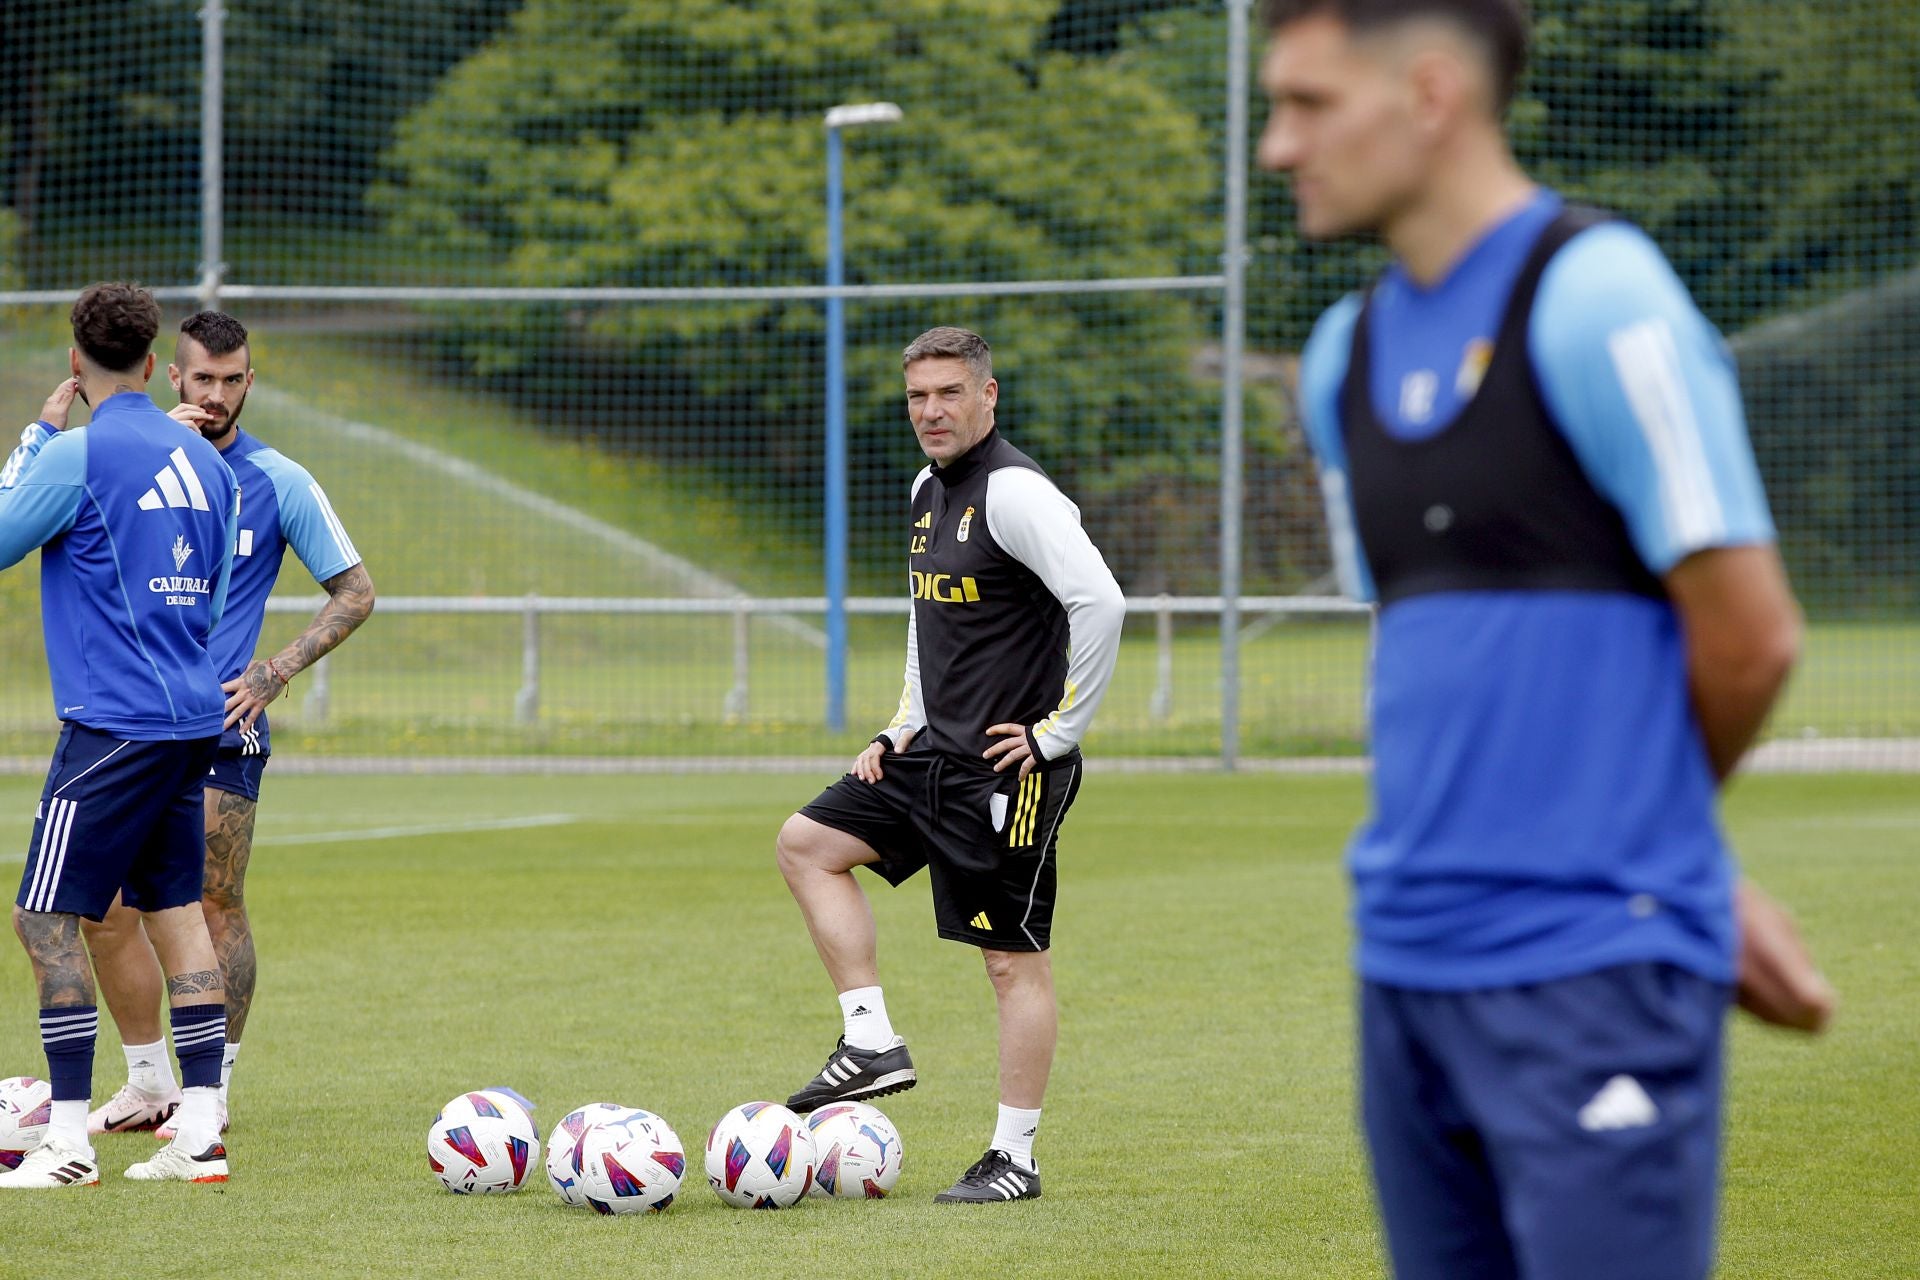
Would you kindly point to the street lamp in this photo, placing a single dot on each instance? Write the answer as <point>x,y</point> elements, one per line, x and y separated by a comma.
<point>848,116</point>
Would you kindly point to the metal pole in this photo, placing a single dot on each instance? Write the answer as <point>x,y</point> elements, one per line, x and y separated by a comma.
<point>212,77</point>
<point>526,703</point>
<point>735,707</point>
<point>1161,707</point>
<point>1233,336</point>
<point>836,495</point>
<point>319,699</point>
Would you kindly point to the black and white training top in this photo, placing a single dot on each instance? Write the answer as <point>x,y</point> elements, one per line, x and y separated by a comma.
<point>1016,618</point>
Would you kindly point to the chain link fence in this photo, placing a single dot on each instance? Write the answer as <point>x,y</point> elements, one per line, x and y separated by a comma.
<point>538,290</point>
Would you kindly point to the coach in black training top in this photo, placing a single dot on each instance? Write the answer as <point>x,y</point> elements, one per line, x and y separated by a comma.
<point>1010,644</point>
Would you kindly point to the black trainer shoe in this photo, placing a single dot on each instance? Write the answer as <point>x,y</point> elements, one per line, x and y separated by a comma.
<point>993,1178</point>
<point>854,1075</point>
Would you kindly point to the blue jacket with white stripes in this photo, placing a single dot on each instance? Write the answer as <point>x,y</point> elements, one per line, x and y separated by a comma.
<point>135,516</point>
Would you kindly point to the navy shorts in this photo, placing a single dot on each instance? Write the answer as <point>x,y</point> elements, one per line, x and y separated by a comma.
<point>989,839</point>
<point>118,817</point>
<point>237,772</point>
<point>1566,1130</point>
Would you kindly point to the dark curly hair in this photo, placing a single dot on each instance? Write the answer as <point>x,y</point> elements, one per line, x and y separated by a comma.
<point>217,332</point>
<point>114,324</point>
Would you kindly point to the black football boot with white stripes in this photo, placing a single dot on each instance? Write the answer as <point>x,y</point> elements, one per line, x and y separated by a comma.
<point>994,1177</point>
<point>857,1075</point>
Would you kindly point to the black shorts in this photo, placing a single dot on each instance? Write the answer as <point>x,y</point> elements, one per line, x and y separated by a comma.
<point>988,838</point>
<point>118,817</point>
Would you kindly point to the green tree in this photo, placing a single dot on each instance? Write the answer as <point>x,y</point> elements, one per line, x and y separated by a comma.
<point>648,142</point>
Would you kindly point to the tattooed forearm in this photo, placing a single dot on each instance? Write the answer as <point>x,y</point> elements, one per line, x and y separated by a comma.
<point>189,984</point>
<point>59,959</point>
<point>349,603</point>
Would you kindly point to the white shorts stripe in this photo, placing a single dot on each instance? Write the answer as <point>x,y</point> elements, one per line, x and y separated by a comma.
<point>60,852</point>
<point>53,847</point>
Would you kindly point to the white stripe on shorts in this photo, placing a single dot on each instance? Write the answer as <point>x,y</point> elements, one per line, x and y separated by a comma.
<point>54,831</point>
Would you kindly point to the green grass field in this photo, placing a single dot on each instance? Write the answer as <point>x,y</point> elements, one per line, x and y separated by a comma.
<point>641,948</point>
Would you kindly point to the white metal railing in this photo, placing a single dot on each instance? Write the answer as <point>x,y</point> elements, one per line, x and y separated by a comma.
<point>742,609</point>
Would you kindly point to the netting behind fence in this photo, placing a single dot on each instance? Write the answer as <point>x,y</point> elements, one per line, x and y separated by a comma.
<point>650,447</point>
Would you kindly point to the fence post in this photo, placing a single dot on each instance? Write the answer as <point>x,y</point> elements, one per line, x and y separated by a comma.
<point>526,703</point>
<point>735,707</point>
<point>212,89</point>
<point>319,699</point>
<point>1233,327</point>
<point>1161,706</point>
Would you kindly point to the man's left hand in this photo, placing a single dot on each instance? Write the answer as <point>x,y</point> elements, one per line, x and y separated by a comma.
<point>1012,748</point>
<point>249,693</point>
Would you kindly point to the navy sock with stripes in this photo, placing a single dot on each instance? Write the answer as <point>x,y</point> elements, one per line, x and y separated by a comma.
<point>199,1039</point>
<point>68,1034</point>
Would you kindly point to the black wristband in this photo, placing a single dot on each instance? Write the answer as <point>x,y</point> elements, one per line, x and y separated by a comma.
<point>883,740</point>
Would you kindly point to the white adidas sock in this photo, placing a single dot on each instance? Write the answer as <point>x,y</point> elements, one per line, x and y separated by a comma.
<point>196,1125</point>
<point>68,1124</point>
<point>227,1059</point>
<point>149,1069</point>
<point>1014,1135</point>
<point>865,1012</point>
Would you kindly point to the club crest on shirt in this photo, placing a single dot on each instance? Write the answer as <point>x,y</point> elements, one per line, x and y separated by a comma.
<point>180,552</point>
<point>966,524</point>
<point>1473,367</point>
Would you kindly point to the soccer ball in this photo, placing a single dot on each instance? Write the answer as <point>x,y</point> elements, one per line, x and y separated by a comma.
<point>760,1157</point>
<point>858,1151</point>
<point>26,1105</point>
<point>631,1163</point>
<point>482,1142</point>
<point>563,1148</point>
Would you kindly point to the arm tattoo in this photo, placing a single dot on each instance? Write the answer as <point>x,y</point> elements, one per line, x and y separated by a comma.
<point>187,984</point>
<point>59,960</point>
<point>349,602</point>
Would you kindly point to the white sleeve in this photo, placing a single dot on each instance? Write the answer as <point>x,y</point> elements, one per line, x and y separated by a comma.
<point>913,709</point>
<point>1037,525</point>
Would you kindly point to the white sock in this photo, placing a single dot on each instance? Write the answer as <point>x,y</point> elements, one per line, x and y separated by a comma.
<point>865,1011</point>
<point>68,1124</point>
<point>227,1059</point>
<point>196,1125</point>
<point>1014,1135</point>
<point>148,1068</point>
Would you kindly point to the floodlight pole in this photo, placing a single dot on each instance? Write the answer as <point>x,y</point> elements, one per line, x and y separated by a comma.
<point>841,117</point>
<point>212,89</point>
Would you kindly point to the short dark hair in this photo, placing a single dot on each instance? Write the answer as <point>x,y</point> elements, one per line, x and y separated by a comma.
<point>217,332</point>
<point>114,324</point>
<point>1500,26</point>
<point>949,342</point>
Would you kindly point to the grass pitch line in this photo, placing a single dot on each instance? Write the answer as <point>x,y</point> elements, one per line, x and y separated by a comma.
<point>700,582</point>
<point>422,829</point>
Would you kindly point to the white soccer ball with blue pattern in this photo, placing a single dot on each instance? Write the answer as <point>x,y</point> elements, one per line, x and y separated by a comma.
<point>563,1148</point>
<point>483,1142</point>
<point>857,1151</point>
<point>26,1108</point>
<point>760,1156</point>
<point>631,1163</point>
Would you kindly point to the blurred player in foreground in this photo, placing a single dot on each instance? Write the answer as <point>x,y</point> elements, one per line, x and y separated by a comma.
<point>1534,457</point>
<point>135,518</point>
<point>1014,629</point>
<point>283,507</point>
